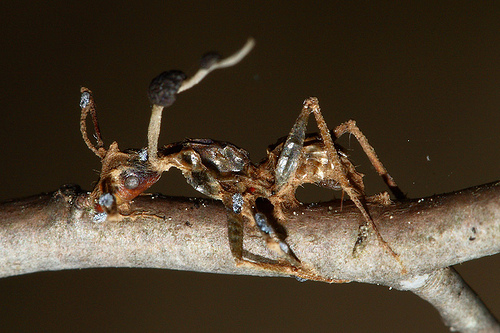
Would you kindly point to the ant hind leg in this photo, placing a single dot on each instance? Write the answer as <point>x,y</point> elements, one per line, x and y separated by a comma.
<point>351,128</point>
<point>355,196</point>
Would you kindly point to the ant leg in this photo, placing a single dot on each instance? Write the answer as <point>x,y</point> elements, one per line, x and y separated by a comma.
<point>261,213</point>
<point>351,128</point>
<point>290,155</point>
<point>356,197</point>
<point>275,240</point>
<point>235,235</point>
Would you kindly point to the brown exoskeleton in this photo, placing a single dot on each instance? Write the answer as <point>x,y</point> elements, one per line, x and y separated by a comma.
<point>258,194</point>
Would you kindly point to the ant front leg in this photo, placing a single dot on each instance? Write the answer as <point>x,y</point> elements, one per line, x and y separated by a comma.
<point>290,156</point>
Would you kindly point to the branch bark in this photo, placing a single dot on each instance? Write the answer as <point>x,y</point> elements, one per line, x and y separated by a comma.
<point>55,231</point>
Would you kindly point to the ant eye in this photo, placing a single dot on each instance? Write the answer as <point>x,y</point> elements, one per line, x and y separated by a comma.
<point>131,182</point>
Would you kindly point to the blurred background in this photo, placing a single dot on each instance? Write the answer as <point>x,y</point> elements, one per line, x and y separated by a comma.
<point>422,82</point>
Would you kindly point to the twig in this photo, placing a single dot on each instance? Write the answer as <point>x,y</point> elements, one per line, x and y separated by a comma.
<point>55,231</point>
<point>459,306</point>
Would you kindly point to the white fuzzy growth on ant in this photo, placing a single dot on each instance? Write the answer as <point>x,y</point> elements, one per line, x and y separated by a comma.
<point>84,100</point>
<point>261,221</point>
<point>237,203</point>
<point>107,200</point>
<point>100,217</point>
<point>284,247</point>
<point>143,155</point>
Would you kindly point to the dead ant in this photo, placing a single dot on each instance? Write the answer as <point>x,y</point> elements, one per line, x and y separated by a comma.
<point>259,194</point>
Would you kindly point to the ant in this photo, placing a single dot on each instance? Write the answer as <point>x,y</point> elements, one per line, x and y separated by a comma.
<point>256,194</point>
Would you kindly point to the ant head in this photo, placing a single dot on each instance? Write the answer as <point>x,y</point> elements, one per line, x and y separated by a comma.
<point>124,176</point>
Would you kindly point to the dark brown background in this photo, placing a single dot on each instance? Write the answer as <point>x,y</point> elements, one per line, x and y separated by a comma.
<point>421,81</point>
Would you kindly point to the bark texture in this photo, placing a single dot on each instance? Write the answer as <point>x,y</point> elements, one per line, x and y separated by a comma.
<point>56,231</point>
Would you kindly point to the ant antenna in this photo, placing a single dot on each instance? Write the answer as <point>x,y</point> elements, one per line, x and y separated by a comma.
<point>88,106</point>
<point>164,88</point>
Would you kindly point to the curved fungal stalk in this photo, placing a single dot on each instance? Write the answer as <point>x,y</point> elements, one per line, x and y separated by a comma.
<point>211,62</point>
<point>164,88</point>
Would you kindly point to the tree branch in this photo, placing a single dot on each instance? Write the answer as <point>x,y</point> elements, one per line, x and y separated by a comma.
<point>56,231</point>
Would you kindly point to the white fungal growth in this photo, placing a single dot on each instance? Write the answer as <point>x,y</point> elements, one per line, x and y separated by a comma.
<point>84,100</point>
<point>284,247</point>
<point>106,200</point>
<point>143,155</point>
<point>237,203</point>
<point>100,217</point>
<point>261,221</point>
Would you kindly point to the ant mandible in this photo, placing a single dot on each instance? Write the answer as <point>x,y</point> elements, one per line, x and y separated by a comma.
<point>258,194</point>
